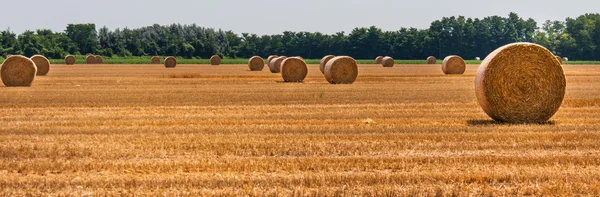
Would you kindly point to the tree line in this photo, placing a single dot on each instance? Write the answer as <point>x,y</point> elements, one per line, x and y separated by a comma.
<point>576,38</point>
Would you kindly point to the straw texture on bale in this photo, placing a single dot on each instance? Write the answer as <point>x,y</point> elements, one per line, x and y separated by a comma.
<point>215,60</point>
<point>98,59</point>
<point>387,62</point>
<point>379,60</point>
<point>90,59</point>
<point>271,57</point>
<point>341,70</point>
<point>293,70</point>
<point>520,83</point>
<point>155,60</point>
<point>70,60</point>
<point>275,65</point>
<point>324,61</point>
<point>170,62</point>
<point>256,63</point>
<point>454,65</point>
<point>431,60</point>
<point>18,70</point>
<point>42,64</point>
<point>559,59</point>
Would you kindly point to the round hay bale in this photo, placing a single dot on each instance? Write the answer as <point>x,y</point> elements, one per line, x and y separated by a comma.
<point>431,60</point>
<point>454,65</point>
<point>42,63</point>
<point>275,65</point>
<point>299,57</point>
<point>271,57</point>
<point>170,62</point>
<point>293,70</point>
<point>324,61</point>
<point>256,63</point>
<point>70,60</point>
<point>520,83</point>
<point>215,60</point>
<point>98,59</point>
<point>155,60</point>
<point>90,59</point>
<point>341,70</point>
<point>379,60</point>
<point>559,59</point>
<point>387,61</point>
<point>478,58</point>
<point>565,59</point>
<point>18,70</point>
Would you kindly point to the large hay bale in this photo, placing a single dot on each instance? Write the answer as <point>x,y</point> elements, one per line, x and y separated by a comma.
<point>98,59</point>
<point>324,61</point>
<point>431,60</point>
<point>90,59</point>
<point>379,60</point>
<point>387,61</point>
<point>520,83</point>
<point>215,60</point>
<point>170,62</point>
<point>18,70</point>
<point>275,65</point>
<point>70,60</point>
<point>256,63</point>
<point>454,65</point>
<point>155,60</point>
<point>341,70</point>
<point>42,64</point>
<point>293,70</point>
<point>559,59</point>
<point>299,57</point>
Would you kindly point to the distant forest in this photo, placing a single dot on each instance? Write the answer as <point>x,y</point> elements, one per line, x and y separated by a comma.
<point>576,38</point>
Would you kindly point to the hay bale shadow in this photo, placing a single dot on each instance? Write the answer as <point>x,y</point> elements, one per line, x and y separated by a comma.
<point>495,123</point>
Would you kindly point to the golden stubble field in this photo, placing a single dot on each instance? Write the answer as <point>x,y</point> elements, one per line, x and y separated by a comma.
<point>223,130</point>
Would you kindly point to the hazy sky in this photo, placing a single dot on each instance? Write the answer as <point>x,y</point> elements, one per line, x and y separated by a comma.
<point>274,16</point>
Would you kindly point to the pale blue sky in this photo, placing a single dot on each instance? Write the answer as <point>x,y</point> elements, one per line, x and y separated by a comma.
<point>274,16</point>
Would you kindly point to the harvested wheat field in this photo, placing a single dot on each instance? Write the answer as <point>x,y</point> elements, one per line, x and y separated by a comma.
<point>226,131</point>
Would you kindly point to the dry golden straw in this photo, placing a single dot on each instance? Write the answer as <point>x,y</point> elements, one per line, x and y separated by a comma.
<point>271,57</point>
<point>215,60</point>
<point>18,70</point>
<point>379,60</point>
<point>42,63</point>
<point>324,61</point>
<point>155,60</point>
<point>293,70</point>
<point>341,70</point>
<point>256,63</point>
<point>170,62</point>
<point>70,60</point>
<point>90,59</point>
<point>387,62</point>
<point>454,65</point>
<point>520,83</point>
<point>431,60</point>
<point>275,65</point>
<point>98,59</point>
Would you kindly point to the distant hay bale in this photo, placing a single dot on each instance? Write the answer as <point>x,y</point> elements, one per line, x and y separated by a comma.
<point>293,70</point>
<point>565,59</point>
<point>454,65</point>
<point>324,61</point>
<point>170,62</point>
<point>98,59</point>
<point>275,65</point>
<point>478,58</point>
<point>431,60</point>
<point>271,57</point>
<point>215,60</point>
<point>559,59</point>
<point>70,60</point>
<point>379,60</point>
<point>341,70</point>
<point>90,59</point>
<point>256,63</point>
<point>18,70</point>
<point>520,83</point>
<point>42,63</point>
<point>155,60</point>
<point>387,61</point>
